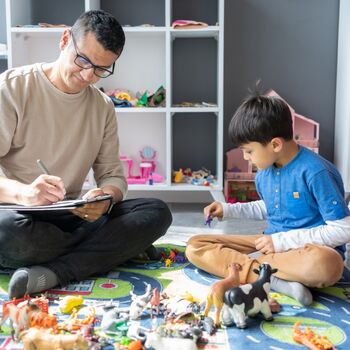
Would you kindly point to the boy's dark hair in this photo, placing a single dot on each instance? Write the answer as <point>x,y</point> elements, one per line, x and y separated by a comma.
<point>260,118</point>
<point>107,30</point>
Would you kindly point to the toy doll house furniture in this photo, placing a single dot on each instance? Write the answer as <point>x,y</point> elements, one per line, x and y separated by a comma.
<point>306,131</point>
<point>147,167</point>
<point>239,175</point>
<point>239,183</point>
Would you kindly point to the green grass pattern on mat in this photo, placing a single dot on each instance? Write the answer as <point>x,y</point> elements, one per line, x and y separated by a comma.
<point>4,282</point>
<point>122,288</point>
<point>337,292</point>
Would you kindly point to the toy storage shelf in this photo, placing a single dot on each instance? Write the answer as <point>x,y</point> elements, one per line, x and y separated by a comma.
<point>188,63</point>
<point>3,37</point>
<point>194,110</point>
<point>208,32</point>
<point>140,110</point>
<point>37,31</point>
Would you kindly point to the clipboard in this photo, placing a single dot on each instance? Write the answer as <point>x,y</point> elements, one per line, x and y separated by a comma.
<point>61,205</point>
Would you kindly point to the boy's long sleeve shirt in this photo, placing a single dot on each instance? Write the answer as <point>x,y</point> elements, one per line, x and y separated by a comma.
<point>302,202</point>
<point>332,234</point>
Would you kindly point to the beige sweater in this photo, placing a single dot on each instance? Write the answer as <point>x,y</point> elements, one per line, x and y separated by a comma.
<point>70,133</point>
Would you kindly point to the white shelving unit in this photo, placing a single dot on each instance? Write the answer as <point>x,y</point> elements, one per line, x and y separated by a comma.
<point>188,63</point>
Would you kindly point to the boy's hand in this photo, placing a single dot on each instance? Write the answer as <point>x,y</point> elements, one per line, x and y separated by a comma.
<point>265,245</point>
<point>214,210</point>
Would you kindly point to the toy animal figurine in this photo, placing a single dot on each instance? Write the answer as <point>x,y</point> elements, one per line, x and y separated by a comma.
<point>41,301</point>
<point>157,342</point>
<point>74,322</point>
<point>209,220</point>
<point>155,301</point>
<point>310,339</point>
<point>111,318</point>
<point>37,339</point>
<point>69,302</point>
<point>249,299</point>
<point>42,319</point>
<point>18,315</point>
<point>137,332</point>
<point>207,324</point>
<point>139,303</point>
<point>218,289</point>
<point>180,306</point>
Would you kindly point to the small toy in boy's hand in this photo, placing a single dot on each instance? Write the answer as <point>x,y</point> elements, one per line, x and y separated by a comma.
<point>209,220</point>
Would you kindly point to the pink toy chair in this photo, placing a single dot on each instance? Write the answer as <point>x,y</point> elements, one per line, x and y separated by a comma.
<point>129,165</point>
<point>148,155</point>
<point>145,170</point>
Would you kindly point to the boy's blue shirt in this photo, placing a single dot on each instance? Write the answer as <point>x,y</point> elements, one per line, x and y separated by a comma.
<point>303,194</point>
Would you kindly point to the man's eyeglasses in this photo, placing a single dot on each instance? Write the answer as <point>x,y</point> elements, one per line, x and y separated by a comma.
<point>85,63</point>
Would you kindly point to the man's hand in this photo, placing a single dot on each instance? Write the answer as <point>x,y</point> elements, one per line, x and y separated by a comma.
<point>92,211</point>
<point>44,190</point>
<point>265,244</point>
<point>214,210</point>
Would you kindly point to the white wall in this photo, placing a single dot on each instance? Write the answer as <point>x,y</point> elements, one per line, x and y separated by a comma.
<point>342,110</point>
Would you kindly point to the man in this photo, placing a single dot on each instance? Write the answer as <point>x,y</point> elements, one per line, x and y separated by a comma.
<point>52,112</point>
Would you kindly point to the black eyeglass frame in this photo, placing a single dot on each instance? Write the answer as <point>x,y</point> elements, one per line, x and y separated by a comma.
<point>94,66</point>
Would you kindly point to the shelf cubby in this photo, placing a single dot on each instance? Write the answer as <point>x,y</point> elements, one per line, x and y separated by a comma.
<point>136,12</point>
<point>196,10</point>
<point>194,141</point>
<point>199,83</point>
<point>137,131</point>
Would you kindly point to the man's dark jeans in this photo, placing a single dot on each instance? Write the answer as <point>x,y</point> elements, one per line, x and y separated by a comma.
<point>75,249</point>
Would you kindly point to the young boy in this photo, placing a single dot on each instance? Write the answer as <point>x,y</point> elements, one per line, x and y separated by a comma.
<point>302,199</point>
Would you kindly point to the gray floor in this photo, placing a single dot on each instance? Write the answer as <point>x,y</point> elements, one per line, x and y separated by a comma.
<point>188,220</point>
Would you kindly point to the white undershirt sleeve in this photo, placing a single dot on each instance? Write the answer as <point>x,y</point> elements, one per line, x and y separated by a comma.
<point>255,210</point>
<point>333,234</point>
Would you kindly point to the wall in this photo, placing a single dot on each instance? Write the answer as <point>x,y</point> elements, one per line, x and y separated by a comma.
<point>3,40</point>
<point>292,46</point>
<point>342,118</point>
<point>2,22</point>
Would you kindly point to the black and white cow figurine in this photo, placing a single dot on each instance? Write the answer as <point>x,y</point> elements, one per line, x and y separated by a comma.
<point>248,299</point>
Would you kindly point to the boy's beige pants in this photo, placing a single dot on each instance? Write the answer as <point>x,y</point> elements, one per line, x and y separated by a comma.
<point>314,265</point>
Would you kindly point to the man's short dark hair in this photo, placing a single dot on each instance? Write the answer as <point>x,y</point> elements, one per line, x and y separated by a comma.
<point>261,118</point>
<point>107,30</point>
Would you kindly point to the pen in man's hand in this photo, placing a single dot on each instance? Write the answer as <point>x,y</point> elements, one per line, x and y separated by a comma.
<point>45,170</point>
<point>42,167</point>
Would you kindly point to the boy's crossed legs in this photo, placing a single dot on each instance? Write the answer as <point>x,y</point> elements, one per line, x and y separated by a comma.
<point>311,266</point>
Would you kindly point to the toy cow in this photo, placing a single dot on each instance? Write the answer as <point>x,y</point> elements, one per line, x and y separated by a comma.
<point>218,289</point>
<point>249,299</point>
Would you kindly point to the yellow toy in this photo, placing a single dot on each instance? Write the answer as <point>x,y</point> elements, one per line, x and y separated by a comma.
<point>167,262</point>
<point>68,303</point>
<point>178,176</point>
